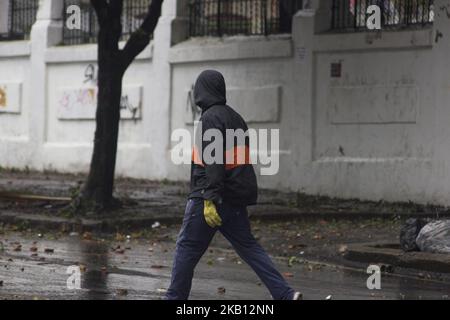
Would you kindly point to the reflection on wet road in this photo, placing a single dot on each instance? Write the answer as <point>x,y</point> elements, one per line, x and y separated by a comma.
<point>36,268</point>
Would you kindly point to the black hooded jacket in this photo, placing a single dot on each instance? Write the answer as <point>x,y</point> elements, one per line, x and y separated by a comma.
<point>233,179</point>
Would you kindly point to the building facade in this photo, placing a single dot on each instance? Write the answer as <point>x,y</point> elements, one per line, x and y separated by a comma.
<point>361,113</point>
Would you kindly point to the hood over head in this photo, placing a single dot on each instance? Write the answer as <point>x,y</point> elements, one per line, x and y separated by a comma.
<point>210,89</point>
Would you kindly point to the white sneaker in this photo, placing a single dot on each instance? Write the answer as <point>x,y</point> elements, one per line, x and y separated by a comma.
<point>298,296</point>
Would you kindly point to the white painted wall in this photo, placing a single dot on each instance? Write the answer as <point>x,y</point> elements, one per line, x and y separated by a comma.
<point>379,131</point>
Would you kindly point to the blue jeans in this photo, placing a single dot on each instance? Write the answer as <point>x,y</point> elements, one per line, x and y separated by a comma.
<point>195,237</point>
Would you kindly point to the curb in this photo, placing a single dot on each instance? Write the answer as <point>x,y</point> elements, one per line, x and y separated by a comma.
<point>391,254</point>
<point>85,224</point>
<point>107,224</point>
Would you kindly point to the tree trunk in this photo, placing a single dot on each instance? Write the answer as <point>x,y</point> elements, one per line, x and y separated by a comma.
<point>97,193</point>
<point>100,184</point>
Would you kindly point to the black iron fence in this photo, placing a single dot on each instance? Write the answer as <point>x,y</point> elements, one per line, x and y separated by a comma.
<point>351,15</point>
<point>21,17</point>
<point>246,17</point>
<point>134,12</point>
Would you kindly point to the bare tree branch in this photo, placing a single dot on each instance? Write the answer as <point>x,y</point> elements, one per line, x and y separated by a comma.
<point>115,8</point>
<point>115,16</point>
<point>141,37</point>
<point>101,10</point>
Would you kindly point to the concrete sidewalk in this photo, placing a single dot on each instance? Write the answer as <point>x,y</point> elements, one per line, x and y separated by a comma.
<point>147,202</point>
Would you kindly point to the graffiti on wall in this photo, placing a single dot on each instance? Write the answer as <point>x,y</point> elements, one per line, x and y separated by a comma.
<point>2,98</point>
<point>192,112</point>
<point>90,74</point>
<point>80,103</point>
<point>10,97</point>
<point>126,106</point>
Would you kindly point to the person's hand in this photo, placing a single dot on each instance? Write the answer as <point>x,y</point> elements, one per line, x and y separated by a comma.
<point>211,216</point>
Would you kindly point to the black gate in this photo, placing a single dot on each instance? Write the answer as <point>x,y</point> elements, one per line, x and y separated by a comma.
<point>246,17</point>
<point>134,12</point>
<point>351,15</point>
<point>21,17</point>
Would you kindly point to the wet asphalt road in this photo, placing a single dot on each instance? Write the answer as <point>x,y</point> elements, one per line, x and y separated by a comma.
<point>140,269</point>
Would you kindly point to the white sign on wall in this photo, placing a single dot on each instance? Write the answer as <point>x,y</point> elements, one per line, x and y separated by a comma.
<point>81,103</point>
<point>10,97</point>
<point>255,104</point>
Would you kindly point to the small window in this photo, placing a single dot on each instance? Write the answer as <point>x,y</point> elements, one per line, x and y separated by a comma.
<point>134,12</point>
<point>20,18</point>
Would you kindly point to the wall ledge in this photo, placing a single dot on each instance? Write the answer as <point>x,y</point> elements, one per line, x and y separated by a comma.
<point>356,160</point>
<point>390,40</point>
<point>85,53</point>
<point>231,48</point>
<point>11,49</point>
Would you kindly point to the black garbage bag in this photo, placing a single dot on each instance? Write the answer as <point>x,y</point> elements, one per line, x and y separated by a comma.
<point>435,237</point>
<point>409,233</point>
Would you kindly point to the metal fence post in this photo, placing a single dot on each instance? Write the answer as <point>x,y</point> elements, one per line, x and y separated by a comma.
<point>264,7</point>
<point>333,12</point>
<point>219,27</point>
<point>11,19</point>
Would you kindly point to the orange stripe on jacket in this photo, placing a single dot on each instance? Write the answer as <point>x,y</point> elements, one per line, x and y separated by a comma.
<point>196,157</point>
<point>238,156</point>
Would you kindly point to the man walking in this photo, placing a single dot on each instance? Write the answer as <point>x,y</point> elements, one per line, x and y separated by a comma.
<point>220,194</point>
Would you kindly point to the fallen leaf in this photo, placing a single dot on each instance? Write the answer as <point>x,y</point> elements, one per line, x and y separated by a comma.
<point>122,292</point>
<point>33,249</point>
<point>221,290</point>
<point>157,266</point>
<point>87,236</point>
<point>343,249</point>
<point>120,237</point>
<point>288,275</point>
<point>18,248</point>
<point>49,250</point>
<point>292,261</point>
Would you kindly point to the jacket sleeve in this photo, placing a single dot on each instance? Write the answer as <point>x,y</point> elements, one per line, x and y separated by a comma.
<point>215,171</point>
